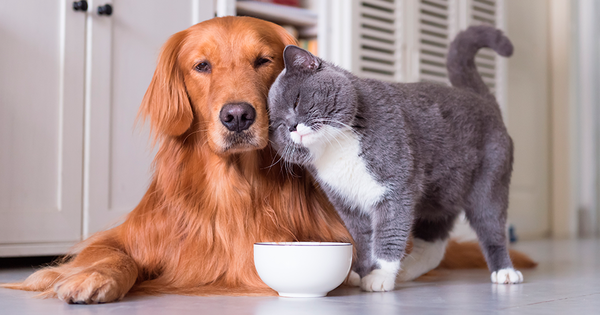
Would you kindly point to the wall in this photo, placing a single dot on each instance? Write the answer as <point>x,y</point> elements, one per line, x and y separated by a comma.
<point>587,100</point>
<point>528,110</point>
<point>553,117</point>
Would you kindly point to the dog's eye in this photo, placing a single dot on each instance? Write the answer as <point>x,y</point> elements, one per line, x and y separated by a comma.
<point>203,67</point>
<point>261,61</point>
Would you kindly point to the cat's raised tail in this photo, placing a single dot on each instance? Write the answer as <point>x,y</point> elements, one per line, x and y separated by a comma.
<point>461,55</point>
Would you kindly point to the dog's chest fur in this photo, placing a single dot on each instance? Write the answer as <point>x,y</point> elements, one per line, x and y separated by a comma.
<point>341,168</point>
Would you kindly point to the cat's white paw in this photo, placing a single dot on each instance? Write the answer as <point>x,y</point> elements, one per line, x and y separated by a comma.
<point>378,280</point>
<point>353,279</point>
<point>507,276</point>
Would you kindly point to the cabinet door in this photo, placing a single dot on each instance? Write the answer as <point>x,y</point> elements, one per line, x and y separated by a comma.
<point>122,53</point>
<point>41,125</point>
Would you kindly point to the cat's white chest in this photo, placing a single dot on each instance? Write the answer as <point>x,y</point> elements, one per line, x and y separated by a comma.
<point>339,166</point>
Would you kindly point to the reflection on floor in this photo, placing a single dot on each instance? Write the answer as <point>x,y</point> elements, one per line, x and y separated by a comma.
<point>567,281</point>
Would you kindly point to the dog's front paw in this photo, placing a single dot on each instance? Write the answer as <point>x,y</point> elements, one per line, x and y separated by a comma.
<point>507,276</point>
<point>353,279</point>
<point>378,280</point>
<point>88,287</point>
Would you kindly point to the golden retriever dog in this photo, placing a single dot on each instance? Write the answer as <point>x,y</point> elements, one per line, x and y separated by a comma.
<point>217,186</point>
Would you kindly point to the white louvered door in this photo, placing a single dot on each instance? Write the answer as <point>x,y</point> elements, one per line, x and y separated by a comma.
<point>433,30</point>
<point>407,40</point>
<point>378,40</point>
<point>485,12</point>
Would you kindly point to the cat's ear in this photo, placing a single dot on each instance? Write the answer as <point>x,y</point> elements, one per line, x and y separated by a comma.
<point>298,59</point>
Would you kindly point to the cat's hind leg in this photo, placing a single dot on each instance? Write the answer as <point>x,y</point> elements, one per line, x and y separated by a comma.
<point>486,209</point>
<point>489,224</point>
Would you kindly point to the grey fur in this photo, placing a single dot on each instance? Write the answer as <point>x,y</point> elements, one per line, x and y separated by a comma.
<point>436,149</point>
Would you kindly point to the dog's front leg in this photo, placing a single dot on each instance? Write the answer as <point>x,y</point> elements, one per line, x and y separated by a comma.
<point>99,274</point>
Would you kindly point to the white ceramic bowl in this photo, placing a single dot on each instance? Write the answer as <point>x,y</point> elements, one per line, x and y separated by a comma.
<point>303,269</point>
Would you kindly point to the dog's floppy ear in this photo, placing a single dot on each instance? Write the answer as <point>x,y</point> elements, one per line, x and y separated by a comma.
<point>285,36</point>
<point>166,103</point>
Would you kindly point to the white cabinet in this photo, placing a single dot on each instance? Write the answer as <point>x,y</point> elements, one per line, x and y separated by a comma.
<point>123,51</point>
<point>41,125</point>
<point>71,160</point>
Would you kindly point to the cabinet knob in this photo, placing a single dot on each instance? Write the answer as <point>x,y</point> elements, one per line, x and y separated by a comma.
<point>80,5</point>
<point>105,9</point>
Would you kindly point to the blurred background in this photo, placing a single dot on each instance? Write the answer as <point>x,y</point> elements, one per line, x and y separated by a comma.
<point>73,74</point>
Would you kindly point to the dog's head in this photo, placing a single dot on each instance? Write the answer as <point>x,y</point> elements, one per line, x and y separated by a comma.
<point>213,78</point>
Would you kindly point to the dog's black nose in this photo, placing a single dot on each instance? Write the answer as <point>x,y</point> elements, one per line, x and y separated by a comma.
<point>237,117</point>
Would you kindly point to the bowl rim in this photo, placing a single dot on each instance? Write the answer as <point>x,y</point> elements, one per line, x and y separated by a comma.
<point>315,244</point>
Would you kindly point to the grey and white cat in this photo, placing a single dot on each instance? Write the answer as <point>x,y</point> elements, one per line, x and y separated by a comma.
<point>399,158</point>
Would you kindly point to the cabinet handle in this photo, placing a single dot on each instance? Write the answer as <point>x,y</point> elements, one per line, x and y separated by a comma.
<point>105,10</point>
<point>80,5</point>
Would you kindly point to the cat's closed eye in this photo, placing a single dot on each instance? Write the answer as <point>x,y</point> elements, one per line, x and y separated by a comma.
<point>296,101</point>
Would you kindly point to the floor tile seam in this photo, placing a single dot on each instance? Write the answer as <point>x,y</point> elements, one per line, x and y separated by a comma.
<point>412,305</point>
<point>550,301</point>
<point>415,306</point>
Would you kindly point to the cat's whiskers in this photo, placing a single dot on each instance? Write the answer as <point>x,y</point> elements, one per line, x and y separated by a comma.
<point>325,135</point>
<point>323,120</point>
<point>328,134</point>
<point>273,163</point>
<point>289,166</point>
<point>285,161</point>
<point>281,171</point>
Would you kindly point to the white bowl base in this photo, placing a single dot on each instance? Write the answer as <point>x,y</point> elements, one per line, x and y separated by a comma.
<point>302,295</point>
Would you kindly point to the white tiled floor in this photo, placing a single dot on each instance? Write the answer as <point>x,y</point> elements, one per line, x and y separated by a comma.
<point>567,281</point>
